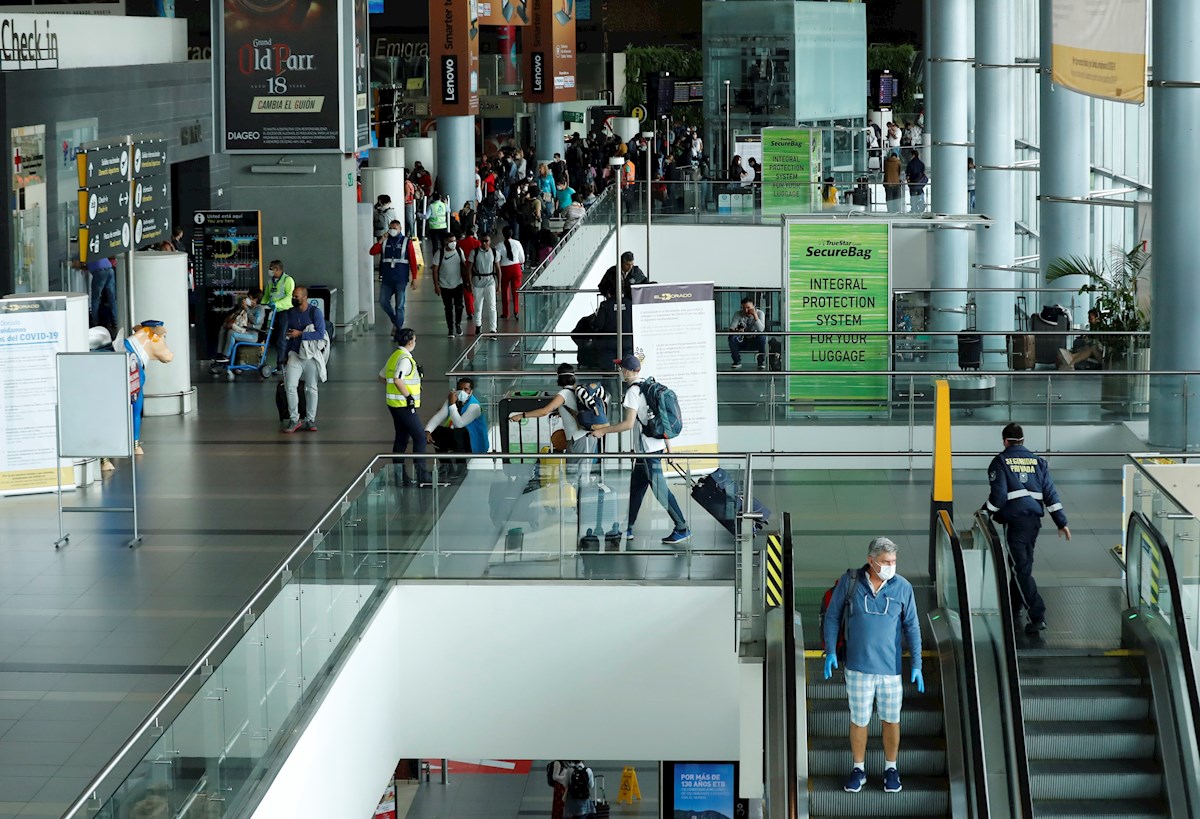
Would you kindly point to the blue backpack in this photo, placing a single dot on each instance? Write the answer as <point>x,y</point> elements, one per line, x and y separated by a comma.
<point>663,417</point>
<point>592,399</point>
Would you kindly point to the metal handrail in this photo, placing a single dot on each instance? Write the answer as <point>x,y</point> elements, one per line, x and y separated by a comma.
<point>536,273</point>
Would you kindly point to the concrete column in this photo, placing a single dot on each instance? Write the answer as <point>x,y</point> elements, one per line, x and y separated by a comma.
<point>1175,288</point>
<point>1065,171</point>
<point>456,159</point>
<point>994,45</point>
<point>548,120</point>
<point>950,54</point>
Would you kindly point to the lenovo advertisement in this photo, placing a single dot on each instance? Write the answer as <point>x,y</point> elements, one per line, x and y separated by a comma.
<point>549,43</point>
<point>290,79</point>
<point>454,57</point>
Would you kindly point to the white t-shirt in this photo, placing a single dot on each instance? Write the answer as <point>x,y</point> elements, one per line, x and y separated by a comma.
<point>517,256</point>
<point>450,266</point>
<point>570,425</point>
<point>634,400</point>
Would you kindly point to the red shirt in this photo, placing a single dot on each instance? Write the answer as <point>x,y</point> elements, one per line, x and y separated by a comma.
<point>468,245</point>
<point>489,183</point>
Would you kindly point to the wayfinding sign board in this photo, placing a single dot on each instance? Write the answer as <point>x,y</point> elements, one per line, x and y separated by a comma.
<point>124,197</point>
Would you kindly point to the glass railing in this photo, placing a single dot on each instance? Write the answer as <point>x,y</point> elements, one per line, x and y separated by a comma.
<point>215,736</point>
<point>1151,484</point>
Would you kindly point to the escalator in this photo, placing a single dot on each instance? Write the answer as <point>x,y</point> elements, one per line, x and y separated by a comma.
<point>1102,709</point>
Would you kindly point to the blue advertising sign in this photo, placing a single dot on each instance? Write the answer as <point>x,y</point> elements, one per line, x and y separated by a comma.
<point>706,790</point>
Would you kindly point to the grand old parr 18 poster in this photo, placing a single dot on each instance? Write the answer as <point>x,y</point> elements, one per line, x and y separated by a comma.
<point>282,90</point>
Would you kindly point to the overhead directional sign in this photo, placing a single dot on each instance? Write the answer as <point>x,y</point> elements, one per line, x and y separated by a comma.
<point>105,239</point>
<point>102,166</point>
<point>151,227</point>
<point>104,203</point>
<point>149,157</point>
<point>150,193</point>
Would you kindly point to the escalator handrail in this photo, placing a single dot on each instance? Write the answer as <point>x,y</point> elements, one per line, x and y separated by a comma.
<point>1011,667</point>
<point>1177,619</point>
<point>974,708</point>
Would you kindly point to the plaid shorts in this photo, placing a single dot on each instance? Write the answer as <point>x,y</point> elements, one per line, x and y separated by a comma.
<point>886,691</point>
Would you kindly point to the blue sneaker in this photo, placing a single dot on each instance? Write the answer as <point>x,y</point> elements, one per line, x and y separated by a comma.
<point>629,533</point>
<point>891,781</point>
<point>678,537</point>
<point>858,778</point>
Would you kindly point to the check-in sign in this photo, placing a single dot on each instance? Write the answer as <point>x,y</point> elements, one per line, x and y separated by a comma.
<point>104,203</point>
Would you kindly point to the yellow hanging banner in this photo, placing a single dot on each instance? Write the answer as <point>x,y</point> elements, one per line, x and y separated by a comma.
<point>629,787</point>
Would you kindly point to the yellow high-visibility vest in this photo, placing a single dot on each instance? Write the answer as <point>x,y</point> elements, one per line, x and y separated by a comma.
<point>413,380</point>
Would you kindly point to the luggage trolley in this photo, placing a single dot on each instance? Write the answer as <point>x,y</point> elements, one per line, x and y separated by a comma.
<point>248,356</point>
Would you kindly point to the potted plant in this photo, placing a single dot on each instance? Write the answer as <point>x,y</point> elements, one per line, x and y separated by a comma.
<point>1113,284</point>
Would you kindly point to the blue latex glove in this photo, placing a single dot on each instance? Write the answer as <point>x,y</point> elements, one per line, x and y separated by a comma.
<point>830,664</point>
<point>919,679</point>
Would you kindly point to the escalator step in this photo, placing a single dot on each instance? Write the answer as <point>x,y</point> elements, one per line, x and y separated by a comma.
<point>1096,779</point>
<point>1085,702</point>
<point>1101,740</point>
<point>1089,809</point>
<point>922,796</point>
<point>920,756</point>
<point>831,718</point>
<point>1040,670</point>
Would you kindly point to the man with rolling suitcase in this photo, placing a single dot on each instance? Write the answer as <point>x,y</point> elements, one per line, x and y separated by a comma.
<point>647,472</point>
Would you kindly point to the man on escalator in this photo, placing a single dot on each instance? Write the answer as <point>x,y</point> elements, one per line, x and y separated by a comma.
<point>877,607</point>
<point>1022,491</point>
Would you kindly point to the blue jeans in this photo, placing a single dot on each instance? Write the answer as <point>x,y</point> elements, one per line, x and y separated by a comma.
<point>397,290</point>
<point>648,474</point>
<point>758,343</point>
<point>103,281</point>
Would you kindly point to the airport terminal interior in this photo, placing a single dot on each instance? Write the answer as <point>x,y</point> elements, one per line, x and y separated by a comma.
<point>285,531</point>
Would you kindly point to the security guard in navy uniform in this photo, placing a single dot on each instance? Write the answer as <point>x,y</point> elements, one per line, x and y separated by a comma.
<point>1022,491</point>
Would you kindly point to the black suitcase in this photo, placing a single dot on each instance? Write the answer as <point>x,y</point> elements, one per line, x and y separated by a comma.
<point>281,402</point>
<point>970,351</point>
<point>722,497</point>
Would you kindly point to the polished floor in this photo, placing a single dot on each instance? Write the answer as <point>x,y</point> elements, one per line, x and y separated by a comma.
<point>92,634</point>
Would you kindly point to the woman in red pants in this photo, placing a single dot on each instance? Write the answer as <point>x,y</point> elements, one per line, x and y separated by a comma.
<point>512,259</point>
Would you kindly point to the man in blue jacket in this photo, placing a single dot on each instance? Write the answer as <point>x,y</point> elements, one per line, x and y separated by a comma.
<point>1022,491</point>
<point>878,609</point>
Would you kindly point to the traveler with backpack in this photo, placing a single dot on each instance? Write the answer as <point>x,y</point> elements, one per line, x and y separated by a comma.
<point>580,783</point>
<point>555,770</point>
<point>512,260</point>
<point>484,266</point>
<point>875,606</point>
<point>653,410</point>
<point>449,274</point>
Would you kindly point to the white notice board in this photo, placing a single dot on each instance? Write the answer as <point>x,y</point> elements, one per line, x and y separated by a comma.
<point>94,417</point>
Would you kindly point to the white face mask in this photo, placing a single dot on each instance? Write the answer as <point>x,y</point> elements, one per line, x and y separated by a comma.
<point>886,571</point>
<point>394,232</point>
<point>246,302</point>
<point>451,245</point>
<point>463,395</point>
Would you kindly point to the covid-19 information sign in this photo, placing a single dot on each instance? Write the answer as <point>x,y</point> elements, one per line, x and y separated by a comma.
<point>837,286</point>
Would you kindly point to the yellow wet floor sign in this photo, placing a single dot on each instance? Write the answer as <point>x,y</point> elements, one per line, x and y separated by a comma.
<point>629,787</point>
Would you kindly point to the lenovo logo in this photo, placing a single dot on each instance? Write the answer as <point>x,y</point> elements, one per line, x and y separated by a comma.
<point>538,70</point>
<point>450,80</point>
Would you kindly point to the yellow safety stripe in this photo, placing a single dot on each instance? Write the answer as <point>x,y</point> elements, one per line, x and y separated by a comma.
<point>774,566</point>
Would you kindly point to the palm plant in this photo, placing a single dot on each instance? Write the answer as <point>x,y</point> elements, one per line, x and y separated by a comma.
<point>1114,283</point>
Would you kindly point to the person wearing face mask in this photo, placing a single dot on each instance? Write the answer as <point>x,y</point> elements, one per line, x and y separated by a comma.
<point>279,298</point>
<point>449,270</point>
<point>877,608</point>
<point>243,324</point>
<point>398,269</point>
<point>307,351</point>
<point>402,375</point>
<point>459,425</point>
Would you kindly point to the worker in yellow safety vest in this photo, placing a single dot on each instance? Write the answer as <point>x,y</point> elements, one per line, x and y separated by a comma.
<point>402,377</point>
<point>279,298</point>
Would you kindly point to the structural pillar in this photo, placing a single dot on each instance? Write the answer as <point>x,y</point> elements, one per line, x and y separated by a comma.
<point>1175,287</point>
<point>1065,171</point>
<point>950,61</point>
<point>994,148</point>
<point>456,158</point>
<point>548,120</point>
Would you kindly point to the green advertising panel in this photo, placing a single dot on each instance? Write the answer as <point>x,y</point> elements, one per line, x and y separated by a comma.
<point>791,162</point>
<point>837,289</point>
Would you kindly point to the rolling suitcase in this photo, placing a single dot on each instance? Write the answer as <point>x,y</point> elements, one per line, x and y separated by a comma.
<point>970,351</point>
<point>281,402</point>
<point>722,497</point>
<point>1022,351</point>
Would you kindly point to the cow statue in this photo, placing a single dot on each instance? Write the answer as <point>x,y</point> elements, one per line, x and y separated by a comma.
<point>147,342</point>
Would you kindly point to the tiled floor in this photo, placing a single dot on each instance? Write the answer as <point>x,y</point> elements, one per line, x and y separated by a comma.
<point>91,635</point>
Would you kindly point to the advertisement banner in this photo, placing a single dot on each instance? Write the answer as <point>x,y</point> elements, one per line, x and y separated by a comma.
<point>32,333</point>
<point>549,45</point>
<point>454,57</point>
<point>504,12</point>
<point>666,320</point>
<point>1099,48</point>
<point>282,77</point>
<point>361,76</point>
<point>837,286</point>
<point>791,163</point>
